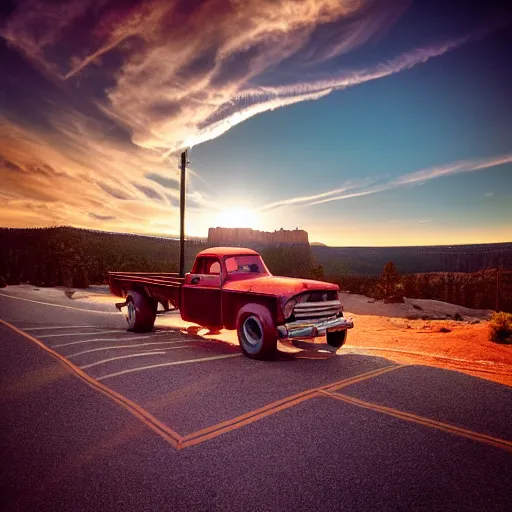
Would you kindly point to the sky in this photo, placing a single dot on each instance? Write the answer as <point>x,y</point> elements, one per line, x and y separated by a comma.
<point>364,122</point>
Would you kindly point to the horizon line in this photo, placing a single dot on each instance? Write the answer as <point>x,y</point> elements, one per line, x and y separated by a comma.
<point>192,237</point>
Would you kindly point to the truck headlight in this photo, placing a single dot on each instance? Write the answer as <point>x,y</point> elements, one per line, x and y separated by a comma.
<point>288,308</point>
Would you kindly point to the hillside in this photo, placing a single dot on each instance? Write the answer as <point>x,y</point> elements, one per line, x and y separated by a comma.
<point>65,256</point>
<point>371,260</point>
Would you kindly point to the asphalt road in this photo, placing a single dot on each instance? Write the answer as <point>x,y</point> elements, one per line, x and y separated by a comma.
<point>96,418</point>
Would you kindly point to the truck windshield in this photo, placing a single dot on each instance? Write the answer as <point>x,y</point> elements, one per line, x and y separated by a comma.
<point>244,265</point>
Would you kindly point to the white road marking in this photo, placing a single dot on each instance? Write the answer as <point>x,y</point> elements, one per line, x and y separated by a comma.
<point>175,363</point>
<point>115,347</point>
<point>105,339</point>
<point>44,336</point>
<point>62,327</point>
<point>149,353</point>
<point>60,306</point>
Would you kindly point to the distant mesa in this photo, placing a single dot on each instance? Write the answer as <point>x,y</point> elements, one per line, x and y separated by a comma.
<point>317,244</point>
<point>251,237</point>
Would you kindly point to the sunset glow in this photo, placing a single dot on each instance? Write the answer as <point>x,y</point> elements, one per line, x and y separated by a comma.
<point>237,219</point>
<point>336,116</point>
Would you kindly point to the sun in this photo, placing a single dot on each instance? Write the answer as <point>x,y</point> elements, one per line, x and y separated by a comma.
<point>237,219</point>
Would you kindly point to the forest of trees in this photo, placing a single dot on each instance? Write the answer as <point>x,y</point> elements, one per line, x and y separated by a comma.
<point>73,257</point>
<point>77,257</point>
<point>473,290</point>
<point>296,261</point>
<point>411,260</point>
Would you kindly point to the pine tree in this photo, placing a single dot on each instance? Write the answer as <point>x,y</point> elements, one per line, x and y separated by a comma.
<point>389,279</point>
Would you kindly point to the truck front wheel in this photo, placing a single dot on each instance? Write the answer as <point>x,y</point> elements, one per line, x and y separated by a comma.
<point>141,312</point>
<point>257,333</point>
<point>337,338</point>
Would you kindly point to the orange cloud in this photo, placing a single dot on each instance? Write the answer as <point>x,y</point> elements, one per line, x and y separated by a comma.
<point>83,181</point>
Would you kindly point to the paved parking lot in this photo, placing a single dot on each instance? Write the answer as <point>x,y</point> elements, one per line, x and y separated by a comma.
<point>334,432</point>
<point>153,370</point>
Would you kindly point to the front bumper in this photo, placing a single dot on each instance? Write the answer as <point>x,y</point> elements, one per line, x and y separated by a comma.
<point>301,329</point>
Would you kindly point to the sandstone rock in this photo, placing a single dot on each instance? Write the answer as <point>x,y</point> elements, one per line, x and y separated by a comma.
<point>247,236</point>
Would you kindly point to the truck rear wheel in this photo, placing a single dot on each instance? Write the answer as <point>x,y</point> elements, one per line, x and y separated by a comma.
<point>141,312</point>
<point>257,332</point>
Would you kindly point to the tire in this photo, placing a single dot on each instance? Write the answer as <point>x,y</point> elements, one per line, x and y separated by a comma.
<point>257,332</point>
<point>141,312</point>
<point>336,338</point>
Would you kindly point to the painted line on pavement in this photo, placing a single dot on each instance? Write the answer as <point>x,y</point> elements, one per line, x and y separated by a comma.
<point>195,438</point>
<point>60,306</point>
<point>169,435</point>
<point>270,409</point>
<point>127,356</point>
<point>104,339</point>
<point>60,335</point>
<point>422,420</point>
<point>161,365</point>
<point>28,329</point>
<point>359,378</point>
<point>115,347</point>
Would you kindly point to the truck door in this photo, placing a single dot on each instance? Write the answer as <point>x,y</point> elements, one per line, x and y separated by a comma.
<point>201,300</point>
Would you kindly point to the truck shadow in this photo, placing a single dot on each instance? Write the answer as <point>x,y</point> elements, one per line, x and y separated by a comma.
<point>299,349</point>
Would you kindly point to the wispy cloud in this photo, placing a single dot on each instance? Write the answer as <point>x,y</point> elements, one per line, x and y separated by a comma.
<point>351,78</point>
<point>449,169</point>
<point>412,178</point>
<point>313,199</point>
<point>82,181</point>
<point>186,74</point>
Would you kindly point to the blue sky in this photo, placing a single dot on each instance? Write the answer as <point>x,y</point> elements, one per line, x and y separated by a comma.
<point>446,110</point>
<point>355,97</point>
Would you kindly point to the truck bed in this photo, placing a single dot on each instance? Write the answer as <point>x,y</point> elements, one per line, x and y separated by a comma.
<point>164,286</point>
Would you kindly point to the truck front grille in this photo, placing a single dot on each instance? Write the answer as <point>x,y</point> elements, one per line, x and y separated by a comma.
<point>316,310</point>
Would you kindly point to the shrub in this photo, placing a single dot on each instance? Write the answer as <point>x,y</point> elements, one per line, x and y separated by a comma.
<point>500,327</point>
<point>3,282</point>
<point>376,292</point>
<point>390,279</point>
<point>458,317</point>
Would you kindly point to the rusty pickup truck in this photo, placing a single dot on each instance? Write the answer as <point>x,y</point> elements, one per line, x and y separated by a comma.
<point>231,288</point>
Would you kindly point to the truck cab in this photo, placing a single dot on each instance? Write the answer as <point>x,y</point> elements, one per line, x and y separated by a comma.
<point>227,284</point>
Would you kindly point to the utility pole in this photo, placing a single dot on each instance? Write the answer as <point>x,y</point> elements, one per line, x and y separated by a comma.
<point>182,213</point>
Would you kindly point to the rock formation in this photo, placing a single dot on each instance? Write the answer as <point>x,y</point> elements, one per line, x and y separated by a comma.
<point>251,237</point>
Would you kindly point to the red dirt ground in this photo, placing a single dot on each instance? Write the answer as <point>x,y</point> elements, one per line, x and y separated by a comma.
<point>466,348</point>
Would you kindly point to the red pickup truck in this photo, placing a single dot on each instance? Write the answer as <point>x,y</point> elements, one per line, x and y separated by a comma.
<point>232,288</point>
